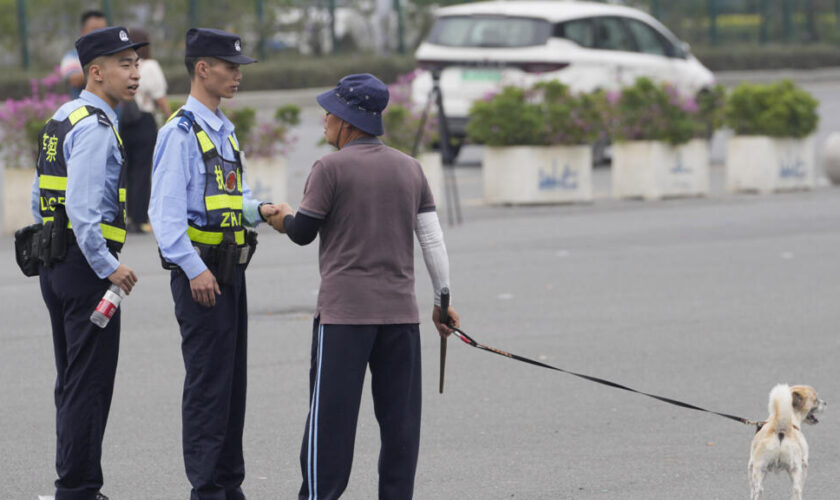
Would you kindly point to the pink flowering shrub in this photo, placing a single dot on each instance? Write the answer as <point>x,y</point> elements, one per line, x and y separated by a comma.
<point>21,121</point>
<point>259,138</point>
<point>546,115</point>
<point>402,120</point>
<point>270,138</point>
<point>646,111</point>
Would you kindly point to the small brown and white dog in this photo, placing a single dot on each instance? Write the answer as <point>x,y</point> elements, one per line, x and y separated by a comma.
<point>779,444</point>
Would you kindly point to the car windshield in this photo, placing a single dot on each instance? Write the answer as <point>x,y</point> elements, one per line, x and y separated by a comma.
<point>489,31</point>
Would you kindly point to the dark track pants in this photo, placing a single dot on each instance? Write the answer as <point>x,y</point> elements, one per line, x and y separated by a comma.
<point>214,346</point>
<point>340,356</point>
<point>86,363</point>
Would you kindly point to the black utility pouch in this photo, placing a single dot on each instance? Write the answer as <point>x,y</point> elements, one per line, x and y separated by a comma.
<point>58,240</point>
<point>27,244</point>
<point>227,259</point>
<point>251,244</point>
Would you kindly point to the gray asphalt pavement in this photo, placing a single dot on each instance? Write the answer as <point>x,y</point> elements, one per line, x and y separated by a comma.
<point>710,300</point>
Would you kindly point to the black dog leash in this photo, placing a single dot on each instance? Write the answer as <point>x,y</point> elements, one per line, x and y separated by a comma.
<point>469,341</point>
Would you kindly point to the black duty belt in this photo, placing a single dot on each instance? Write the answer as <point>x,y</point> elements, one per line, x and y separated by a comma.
<point>224,258</point>
<point>213,256</point>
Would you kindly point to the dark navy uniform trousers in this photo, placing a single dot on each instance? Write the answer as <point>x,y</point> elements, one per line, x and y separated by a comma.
<point>214,347</point>
<point>340,357</point>
<point>86,363</point>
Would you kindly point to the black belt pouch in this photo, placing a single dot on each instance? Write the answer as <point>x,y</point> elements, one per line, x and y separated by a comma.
<point>27,249</point>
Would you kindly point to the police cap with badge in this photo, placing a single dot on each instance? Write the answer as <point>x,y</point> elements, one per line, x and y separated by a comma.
<point>104,42</point>
<point>209,42</point>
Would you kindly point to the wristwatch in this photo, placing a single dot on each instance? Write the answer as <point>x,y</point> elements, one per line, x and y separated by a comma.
<point>260,212</point>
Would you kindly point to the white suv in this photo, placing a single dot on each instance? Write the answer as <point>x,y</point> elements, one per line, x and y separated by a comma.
<point>480,47</point>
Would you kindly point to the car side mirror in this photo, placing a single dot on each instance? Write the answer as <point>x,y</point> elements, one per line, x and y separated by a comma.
<point>685,48</point>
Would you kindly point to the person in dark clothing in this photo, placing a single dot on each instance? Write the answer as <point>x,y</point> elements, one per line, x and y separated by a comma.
<point>139,130</point>
<point>366,202</point>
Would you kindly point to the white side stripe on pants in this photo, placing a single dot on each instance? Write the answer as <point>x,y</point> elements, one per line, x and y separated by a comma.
<point>312,459</point>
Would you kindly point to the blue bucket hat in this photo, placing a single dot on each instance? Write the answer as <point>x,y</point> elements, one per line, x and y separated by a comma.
<point>359,100</point>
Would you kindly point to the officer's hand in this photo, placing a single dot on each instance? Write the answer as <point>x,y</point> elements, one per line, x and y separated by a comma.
<point>454,320</point>
<point>124,278</point>
<point>267,210</point>
<point>204,289</point>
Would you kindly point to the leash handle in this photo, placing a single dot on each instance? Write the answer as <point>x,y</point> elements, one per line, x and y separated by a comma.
<point>444,319</point>
<point>444,305</point>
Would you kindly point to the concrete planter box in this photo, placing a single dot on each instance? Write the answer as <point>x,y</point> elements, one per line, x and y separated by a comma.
<point>267,178</point>
<point>433,169</point>
<point>653,170</point>
<point>766,164</point>
<point>831,157</point>
<point>537,174</point>
<point>15,198</point>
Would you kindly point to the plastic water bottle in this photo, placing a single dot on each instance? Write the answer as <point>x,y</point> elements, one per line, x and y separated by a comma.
<point>107,306</point>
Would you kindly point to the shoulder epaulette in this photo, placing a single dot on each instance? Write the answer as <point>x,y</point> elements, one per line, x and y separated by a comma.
<point>186,121</point>
<point>103,118</point>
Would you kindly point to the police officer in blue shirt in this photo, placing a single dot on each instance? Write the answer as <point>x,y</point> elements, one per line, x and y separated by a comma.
<point>198,209</point>
<point>79,196</point>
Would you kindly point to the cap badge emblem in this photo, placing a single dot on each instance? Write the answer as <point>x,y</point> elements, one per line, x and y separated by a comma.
<point>123,36</point>
<point>237,46</point>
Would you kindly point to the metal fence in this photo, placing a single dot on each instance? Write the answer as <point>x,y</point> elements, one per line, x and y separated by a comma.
<point>41,30</point>
<point>724,22</point>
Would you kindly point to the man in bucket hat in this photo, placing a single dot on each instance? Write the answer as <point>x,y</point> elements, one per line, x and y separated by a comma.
<point>79,196</point>
<point>198,208</point>
<point>366,200</point>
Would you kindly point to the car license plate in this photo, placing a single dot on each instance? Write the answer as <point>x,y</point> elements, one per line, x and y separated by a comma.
<point>481,75</point>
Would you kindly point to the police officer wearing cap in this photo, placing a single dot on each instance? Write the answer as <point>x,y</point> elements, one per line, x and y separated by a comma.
<point>366,202</point>
<point>198,209</point>
<point>79,196</point>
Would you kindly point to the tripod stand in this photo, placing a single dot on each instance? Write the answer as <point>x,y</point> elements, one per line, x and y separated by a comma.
<point>453,202</point>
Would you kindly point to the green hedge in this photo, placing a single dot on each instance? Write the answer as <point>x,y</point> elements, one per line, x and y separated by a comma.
<point>749,57</point>
<point>296,71</point>
<point>283,72</point>
<point>779,110</point>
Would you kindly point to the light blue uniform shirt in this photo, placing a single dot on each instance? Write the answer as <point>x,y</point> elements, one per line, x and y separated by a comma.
<point>93,159</point>
<point>178,180</point>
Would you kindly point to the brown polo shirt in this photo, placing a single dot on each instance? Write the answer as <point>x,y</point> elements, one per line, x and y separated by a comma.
<point>368,196</point>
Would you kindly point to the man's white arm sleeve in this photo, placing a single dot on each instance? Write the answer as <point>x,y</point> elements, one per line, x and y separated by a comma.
<point>430,236</point>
